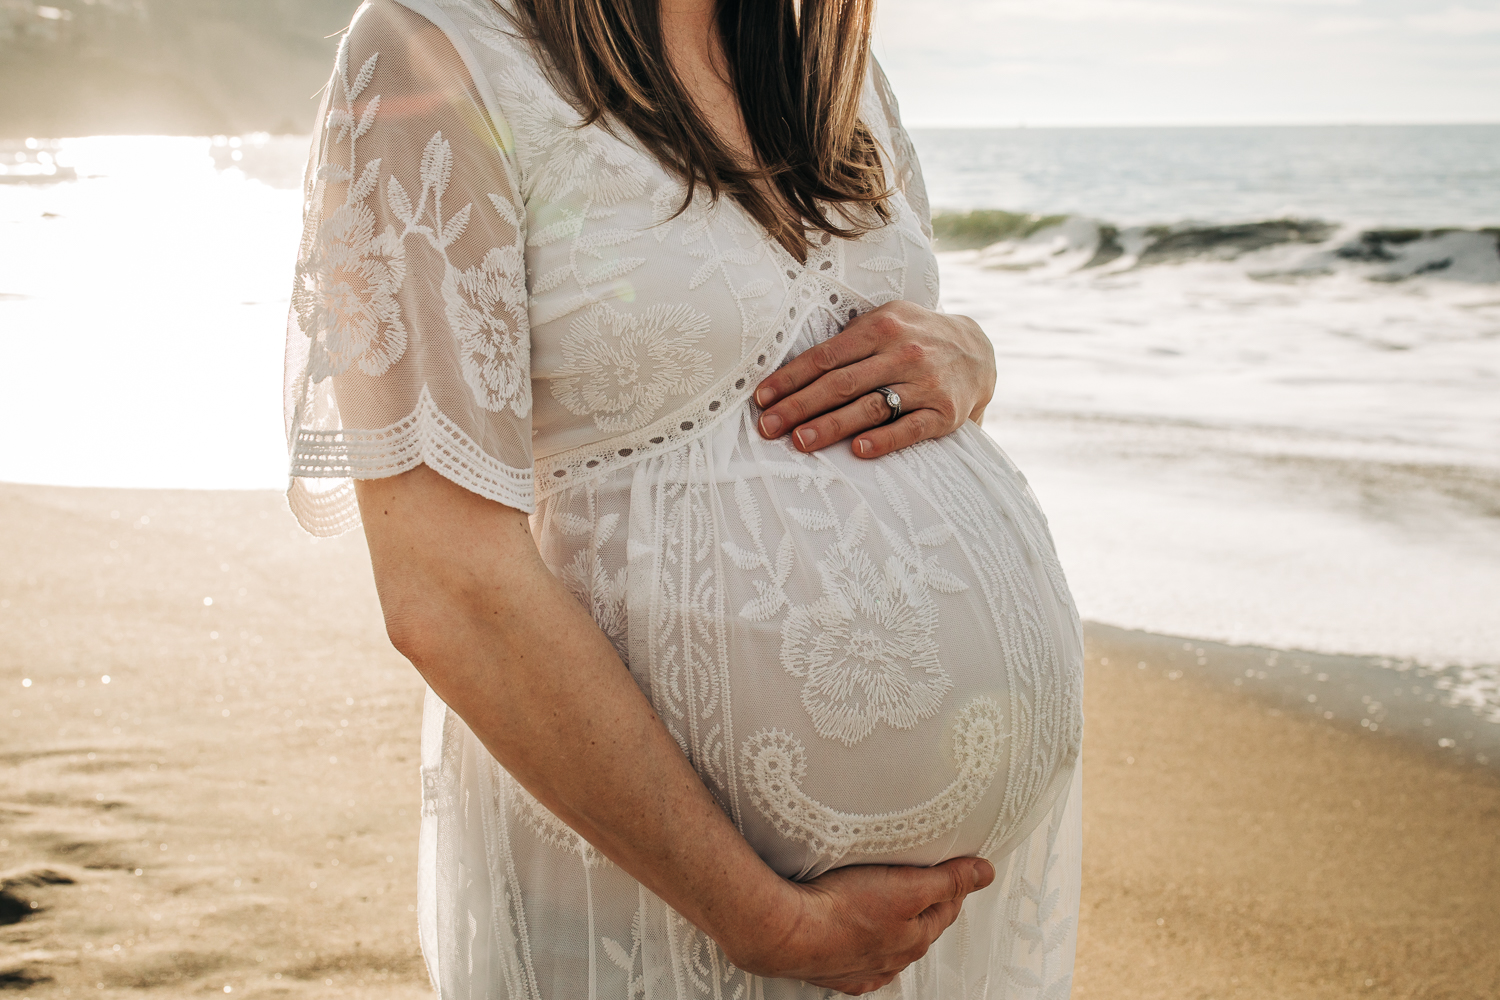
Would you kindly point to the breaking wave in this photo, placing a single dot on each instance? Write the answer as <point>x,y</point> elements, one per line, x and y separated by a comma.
<point>1271,249</point>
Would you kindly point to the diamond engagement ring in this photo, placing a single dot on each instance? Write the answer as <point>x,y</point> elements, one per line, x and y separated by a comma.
<point>892,399</point>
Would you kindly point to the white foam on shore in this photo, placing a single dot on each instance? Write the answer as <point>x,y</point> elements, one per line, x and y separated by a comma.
<point>1242,549</point>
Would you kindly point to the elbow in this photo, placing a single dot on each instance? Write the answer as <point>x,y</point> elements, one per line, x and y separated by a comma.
<point>408,633</point>
<point>437,622</point>
<point>418,630</point>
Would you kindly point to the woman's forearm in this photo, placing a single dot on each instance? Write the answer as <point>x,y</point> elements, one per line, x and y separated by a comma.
<point>497,636</point>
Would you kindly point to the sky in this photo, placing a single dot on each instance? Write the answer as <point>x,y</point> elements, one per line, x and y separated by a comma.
<point>1191,62</point>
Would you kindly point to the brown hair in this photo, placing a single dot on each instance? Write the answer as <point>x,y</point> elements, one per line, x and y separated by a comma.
<point>798,70</point>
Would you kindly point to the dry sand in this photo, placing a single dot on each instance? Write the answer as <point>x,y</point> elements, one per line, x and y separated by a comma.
<point>236,808</point>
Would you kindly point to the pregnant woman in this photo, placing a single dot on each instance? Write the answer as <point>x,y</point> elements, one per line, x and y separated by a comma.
<point>591,296</point>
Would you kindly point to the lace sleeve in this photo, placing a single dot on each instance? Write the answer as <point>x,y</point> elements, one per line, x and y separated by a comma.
<point>908,170</point>
<point>408,340</point>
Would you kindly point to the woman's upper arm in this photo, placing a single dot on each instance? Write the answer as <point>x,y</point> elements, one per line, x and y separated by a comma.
<point>408,341</point>
<point>441,554</point>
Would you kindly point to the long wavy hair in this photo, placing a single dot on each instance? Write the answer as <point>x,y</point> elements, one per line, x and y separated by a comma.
<point>797,67</point>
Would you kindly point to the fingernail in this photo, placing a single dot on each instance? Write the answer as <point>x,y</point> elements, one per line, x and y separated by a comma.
<point>770,425</point>
<point>863,447</point>
<point>806,437</point>
<point>764,396</point>
<point>984,874</point>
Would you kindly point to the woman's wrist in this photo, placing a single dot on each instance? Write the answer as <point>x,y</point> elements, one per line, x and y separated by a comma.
<point>753,923</point>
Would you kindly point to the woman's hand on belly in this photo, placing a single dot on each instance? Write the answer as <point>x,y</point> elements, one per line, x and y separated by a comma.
<point>942,365</point>
<point>856,928</point>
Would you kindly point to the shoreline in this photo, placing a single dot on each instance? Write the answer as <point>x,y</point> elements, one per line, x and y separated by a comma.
<point>253,755</point>
<point>1394,698</point>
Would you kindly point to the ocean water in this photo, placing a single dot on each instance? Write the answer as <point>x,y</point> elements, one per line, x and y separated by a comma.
<point>1427,176</point>
<point>1242,432</point>
<point>1241,429</point>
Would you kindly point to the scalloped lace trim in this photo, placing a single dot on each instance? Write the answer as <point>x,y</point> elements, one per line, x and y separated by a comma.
<point>425,437</point>
<point>324,513</point>
<point>810,293</point>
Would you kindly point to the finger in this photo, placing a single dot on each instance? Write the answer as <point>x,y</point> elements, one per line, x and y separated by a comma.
<point>832,390</point>
<point>936,919</point>
<point>866,411</point>
<point>918,425</point>
<point>949,881</point>
<point>956,879</point>
<point>854,343</point>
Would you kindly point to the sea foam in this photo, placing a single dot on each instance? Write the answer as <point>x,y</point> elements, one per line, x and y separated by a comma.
<point>1280,432</point>
<point>1306,247</point>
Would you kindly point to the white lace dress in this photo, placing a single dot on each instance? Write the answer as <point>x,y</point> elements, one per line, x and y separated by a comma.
<point>866,661</point>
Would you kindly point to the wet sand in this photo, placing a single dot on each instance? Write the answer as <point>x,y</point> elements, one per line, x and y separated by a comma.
<point>1238,849</point>
<point>236,809</point>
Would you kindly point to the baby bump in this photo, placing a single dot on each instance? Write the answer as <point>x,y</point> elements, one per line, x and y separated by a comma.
<point>900,660</point>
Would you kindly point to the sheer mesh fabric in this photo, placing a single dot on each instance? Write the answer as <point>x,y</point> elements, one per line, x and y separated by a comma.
<point>865,661</point>
<point>408,341</point>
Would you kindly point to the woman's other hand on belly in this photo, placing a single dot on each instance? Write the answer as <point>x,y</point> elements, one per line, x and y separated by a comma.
<point>855,929</point>
<point>941,365</point>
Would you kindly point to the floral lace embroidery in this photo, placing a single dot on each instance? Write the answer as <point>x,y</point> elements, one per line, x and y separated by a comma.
<point>815,298</point>
<point>513,956</point>
<point>493,355</point>
<point>579,174</point>
<point>348,276</point>
<point>494,358</point>
<point>700,967</point>
<point>724,239</point>
<point>619,367</point>
<point>588,578</point>
<point>868,647</point>
<point>563,159</point>
<point>774,764</point>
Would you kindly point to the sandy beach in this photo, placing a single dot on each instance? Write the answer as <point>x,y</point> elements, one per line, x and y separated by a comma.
<point>210,786</point>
